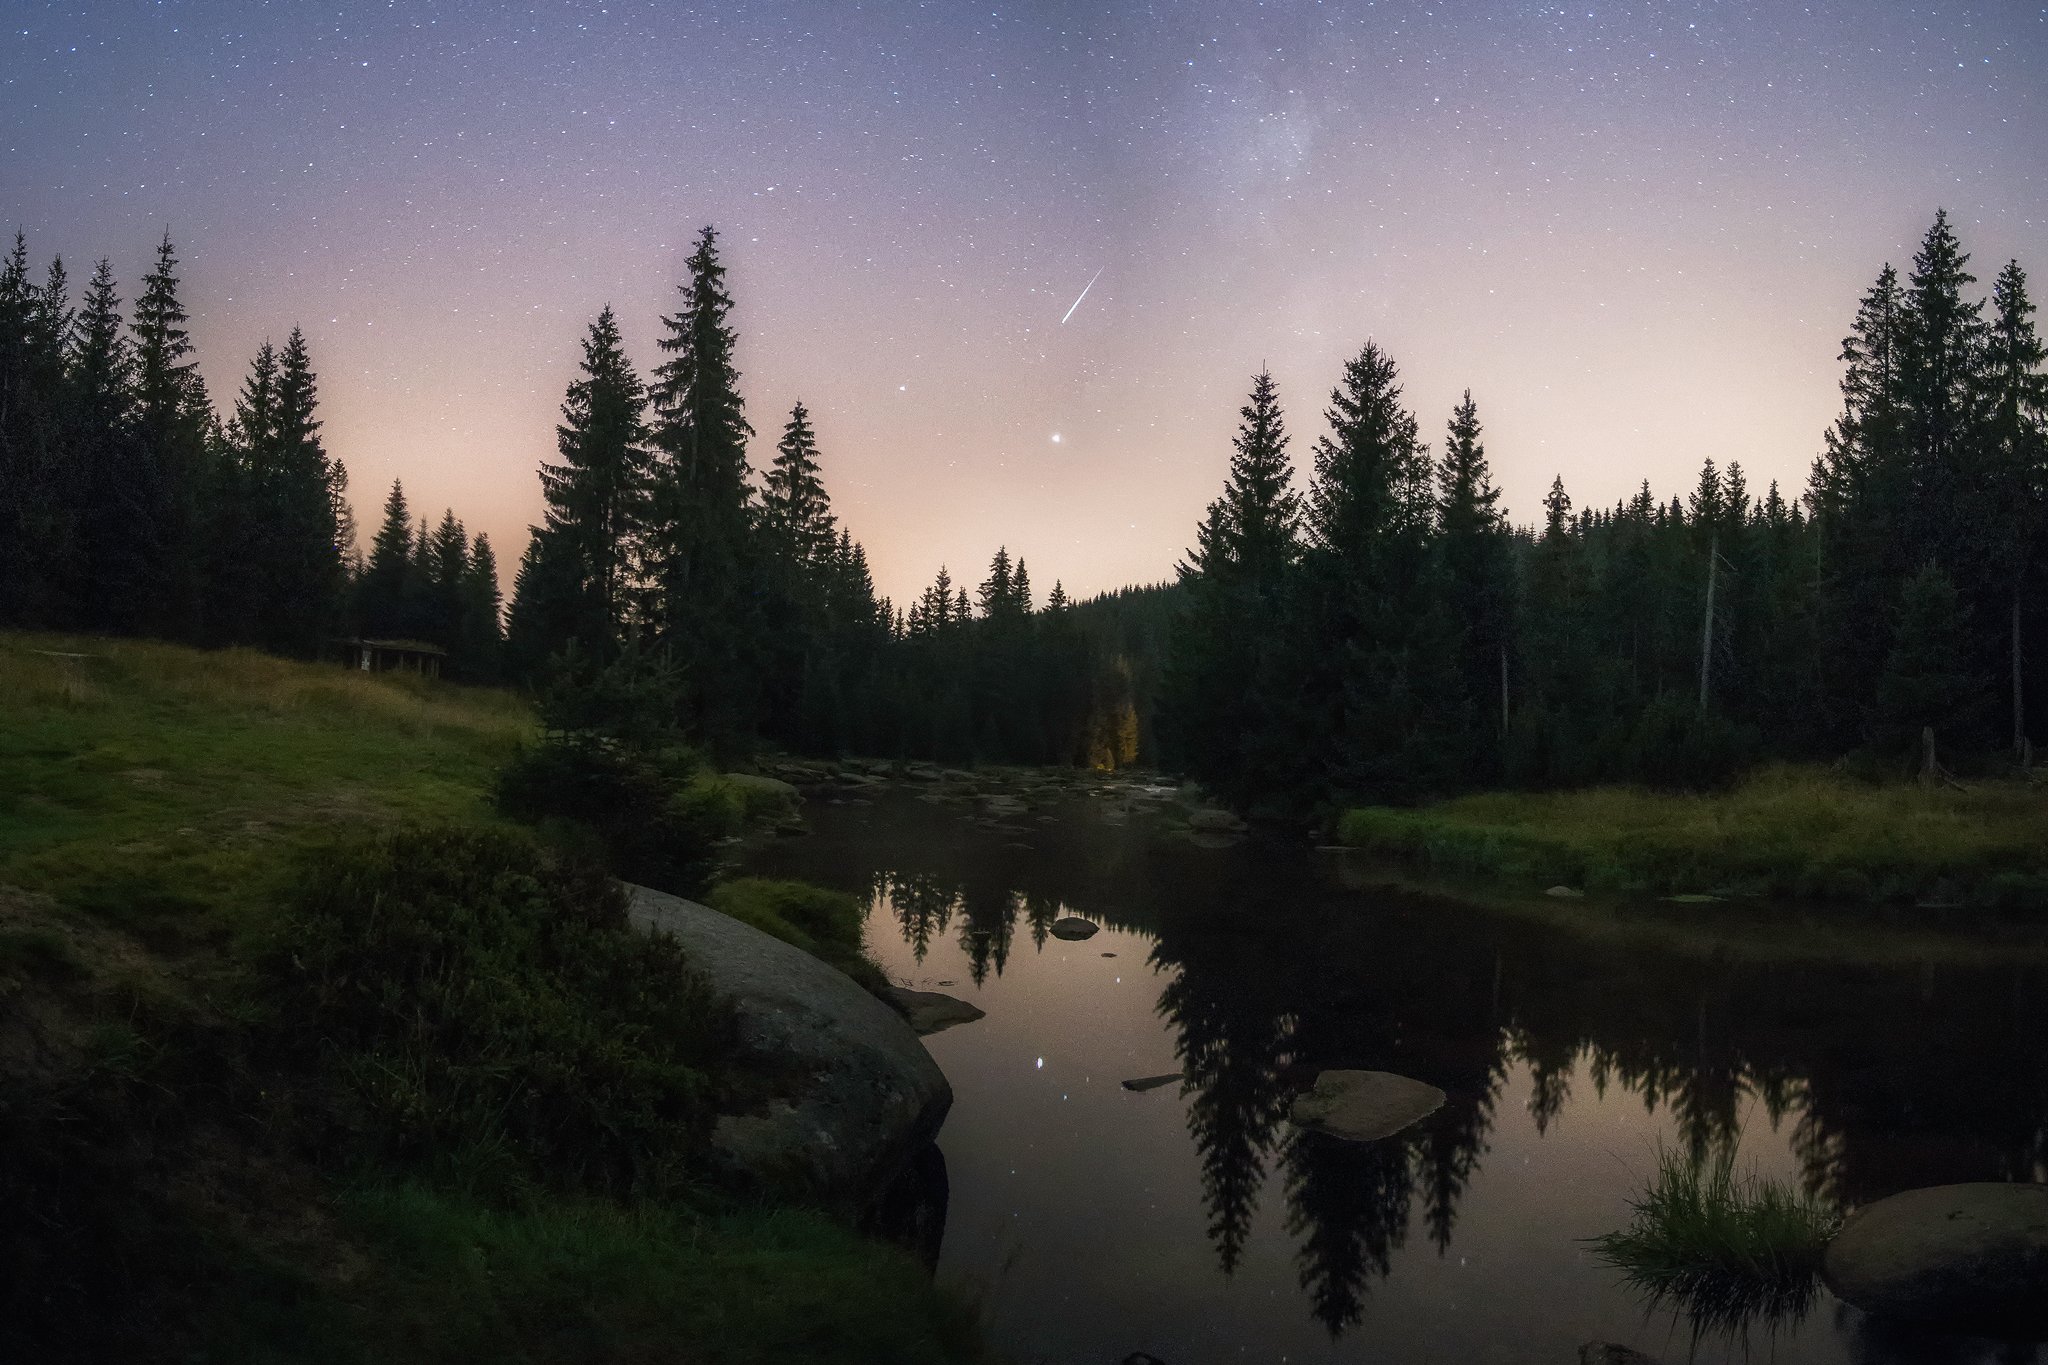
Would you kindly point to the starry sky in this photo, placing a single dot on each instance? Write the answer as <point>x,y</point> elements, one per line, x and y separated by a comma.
<point>1636,231</point>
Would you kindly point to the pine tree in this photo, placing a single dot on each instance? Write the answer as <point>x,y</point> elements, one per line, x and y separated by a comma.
<point>795,508</point>
<point>1221,671</point>
<point>1478,575</point>
<point>296,490</point>
<point>597,495</point>
<point>2015,487</point>
<point>481,637</point>
<point>699,552</point>
<point>1380,665</point>
<point>994,592</point>
<point>1056,602</point>
<point>37,529</point>
<point>103,448</point>
<point>385,590</point>
<point>1926,682</point>
<point>163,580</point>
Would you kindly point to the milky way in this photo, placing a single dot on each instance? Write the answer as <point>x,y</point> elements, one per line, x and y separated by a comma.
<point>1636,232</point>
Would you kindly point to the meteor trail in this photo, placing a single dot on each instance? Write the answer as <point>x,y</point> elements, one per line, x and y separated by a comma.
<point>1084,294</point>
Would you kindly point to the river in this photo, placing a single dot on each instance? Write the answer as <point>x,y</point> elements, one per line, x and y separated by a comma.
<point>1191,1222</point>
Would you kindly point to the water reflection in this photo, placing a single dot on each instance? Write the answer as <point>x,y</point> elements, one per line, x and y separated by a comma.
<point>1874,1077</point>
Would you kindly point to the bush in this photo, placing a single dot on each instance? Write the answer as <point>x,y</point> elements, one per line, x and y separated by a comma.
<point>825,924</point>
<point>650,817</point>
<point>464,995</point>
<point>1728,1249</point>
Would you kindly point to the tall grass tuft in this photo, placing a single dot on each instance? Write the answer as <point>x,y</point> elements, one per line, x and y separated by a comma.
<point>1728,1249</point>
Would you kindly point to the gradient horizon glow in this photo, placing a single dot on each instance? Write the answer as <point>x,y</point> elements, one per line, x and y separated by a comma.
<point>1637,232</point>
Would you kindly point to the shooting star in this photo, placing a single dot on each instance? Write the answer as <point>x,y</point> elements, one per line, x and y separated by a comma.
<point>1084,294</point>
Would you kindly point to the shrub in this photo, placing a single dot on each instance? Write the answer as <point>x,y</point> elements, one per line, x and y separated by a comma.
<point>1727,1249</point>
<point>825,924</point>
<point>467,993</point>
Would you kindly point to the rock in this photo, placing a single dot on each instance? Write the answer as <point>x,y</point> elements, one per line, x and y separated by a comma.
<point>1109,954</point>
<point>1073,927</point>
<point>956,775</point>
<point>1144,1083</point>
<point>860,1093</point>
<point>1365,1106</point>
<point>1003,805</point>
<point>930,1012</point>
<point>1970,1258</point>
<point>1214,820</point>
<point>1565,893</point>
<point>1608,1353</point>
<point>1693,898</point>
<point>757,787</point>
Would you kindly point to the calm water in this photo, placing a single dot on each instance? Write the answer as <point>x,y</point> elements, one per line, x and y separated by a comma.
<point>1191,1222</point>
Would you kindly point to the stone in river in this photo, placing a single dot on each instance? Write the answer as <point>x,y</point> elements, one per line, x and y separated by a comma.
<point>1073,927</point>
<point>1109,954</point>
<point>1365,1106</point>
<point>1144,1083</point>
<point>1565,893</point>
<point>1969,1258</point>
<point>930,1012</point>
<point>1609,1353</point>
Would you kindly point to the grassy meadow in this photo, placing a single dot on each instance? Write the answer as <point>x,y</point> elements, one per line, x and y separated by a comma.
<point>221,1066</point>
<point>1786,832</point>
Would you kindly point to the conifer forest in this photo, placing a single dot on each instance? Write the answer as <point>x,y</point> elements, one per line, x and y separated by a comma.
<point>1356,618</point>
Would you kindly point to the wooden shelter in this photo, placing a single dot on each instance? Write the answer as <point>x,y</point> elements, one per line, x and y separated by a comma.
<point>392,656</point>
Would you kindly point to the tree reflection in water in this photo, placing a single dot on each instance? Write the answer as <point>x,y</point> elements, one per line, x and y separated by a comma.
<point>1882,1077</point>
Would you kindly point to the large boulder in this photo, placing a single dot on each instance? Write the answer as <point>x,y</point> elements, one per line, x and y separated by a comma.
<point>1073,928</point>
<point>858,1096</point>
<point>1364,1106</point>
<point>1970,1258</point>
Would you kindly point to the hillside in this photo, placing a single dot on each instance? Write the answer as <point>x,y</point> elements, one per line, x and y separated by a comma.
<point>196,1154</point>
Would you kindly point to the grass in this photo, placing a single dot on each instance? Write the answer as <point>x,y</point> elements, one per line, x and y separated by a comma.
<point>1728,1249</point>
<point>1786,832</point>
<point>584,1281</point>
<point>825,924</point>
<point>287,1077</point>
<point>165,788</point>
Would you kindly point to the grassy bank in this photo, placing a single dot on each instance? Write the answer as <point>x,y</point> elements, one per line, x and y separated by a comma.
<point>280,1081</point>
<point>1797,833</point>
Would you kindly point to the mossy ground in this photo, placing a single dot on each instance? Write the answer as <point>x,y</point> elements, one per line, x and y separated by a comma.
<point>1786,832</point>
<point>156,806</point>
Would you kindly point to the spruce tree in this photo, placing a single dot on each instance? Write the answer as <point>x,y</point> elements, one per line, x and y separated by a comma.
<point>1478,577</point>
<point>101,439</point>
<point>385,590</point>
<point>597,494</point>
<point>795,507</point>
<point>1222,671</point>
<point>163,579</point>
<point>303,602</point>
<point>481,638</point>
<point>700,559</point>
<point>1377,655</point>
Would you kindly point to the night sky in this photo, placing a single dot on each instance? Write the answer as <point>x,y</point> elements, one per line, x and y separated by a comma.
<point>1637,232</point>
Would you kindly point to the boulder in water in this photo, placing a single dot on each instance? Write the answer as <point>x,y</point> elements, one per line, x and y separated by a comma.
<point>1565,893</point>
<point>932,1012</point>
<point>1144,1083</point>
<point>1969,1258</point>
<point>1073,927</point>
<point>1611,1353</point>
<point>860,1095</point>
<point>1365,1106</point>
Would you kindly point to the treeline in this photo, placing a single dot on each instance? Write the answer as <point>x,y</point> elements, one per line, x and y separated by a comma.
<point>130,506</point>
<point>1385,634</point>
<point>662,550</point>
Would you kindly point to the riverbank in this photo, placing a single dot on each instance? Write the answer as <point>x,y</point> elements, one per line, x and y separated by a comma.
<point>215,1139</point>
<point>1789,833</point>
